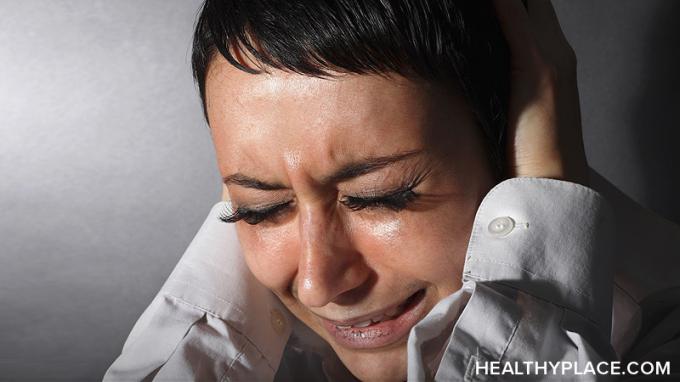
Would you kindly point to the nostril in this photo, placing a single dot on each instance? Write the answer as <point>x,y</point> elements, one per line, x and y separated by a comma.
<point>359,292</point>
<point>346,286</point>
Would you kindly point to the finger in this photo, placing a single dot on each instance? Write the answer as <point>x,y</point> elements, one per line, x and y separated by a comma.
<point>515,22</point>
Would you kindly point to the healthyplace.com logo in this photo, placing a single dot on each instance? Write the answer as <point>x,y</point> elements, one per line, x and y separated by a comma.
<point>572,368</point>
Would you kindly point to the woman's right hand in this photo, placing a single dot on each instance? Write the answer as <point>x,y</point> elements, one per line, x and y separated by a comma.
<point>544,120</point>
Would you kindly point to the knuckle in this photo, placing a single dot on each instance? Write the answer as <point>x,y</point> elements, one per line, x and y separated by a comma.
<point>558,68</point>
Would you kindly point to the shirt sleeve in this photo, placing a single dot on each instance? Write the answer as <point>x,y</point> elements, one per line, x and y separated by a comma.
<point>203,324</point>
<point>537,286</point>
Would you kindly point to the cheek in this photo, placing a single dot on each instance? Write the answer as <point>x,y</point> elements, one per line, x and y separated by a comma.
<point>270,254</point>
<point>427,246</point>
<point>386,231</point>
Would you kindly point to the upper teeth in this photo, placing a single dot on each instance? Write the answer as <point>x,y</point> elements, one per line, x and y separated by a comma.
<point>385,316</point>
<point>363,324</point>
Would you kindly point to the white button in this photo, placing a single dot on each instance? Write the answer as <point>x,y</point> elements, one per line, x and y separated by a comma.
<point>501,226</point>
<point>278,321</point>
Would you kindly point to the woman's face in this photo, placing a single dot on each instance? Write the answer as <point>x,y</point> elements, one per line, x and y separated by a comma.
<point>358,196</point>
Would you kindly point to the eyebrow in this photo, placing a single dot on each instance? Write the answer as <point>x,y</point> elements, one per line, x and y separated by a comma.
<point>349,171</point>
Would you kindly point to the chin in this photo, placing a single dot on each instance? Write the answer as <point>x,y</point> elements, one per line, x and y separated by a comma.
<point>386,365</point>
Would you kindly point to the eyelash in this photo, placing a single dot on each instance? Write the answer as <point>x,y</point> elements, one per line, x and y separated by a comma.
<point>252,216</point>
<point>395,201</point>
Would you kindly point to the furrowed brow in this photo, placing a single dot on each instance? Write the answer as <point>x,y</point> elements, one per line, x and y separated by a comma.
<point>349,171</point>
<point>250,182</point>
<point>368,165</point>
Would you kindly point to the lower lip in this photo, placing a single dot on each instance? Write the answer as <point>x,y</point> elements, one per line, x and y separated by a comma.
<point>382,333</point>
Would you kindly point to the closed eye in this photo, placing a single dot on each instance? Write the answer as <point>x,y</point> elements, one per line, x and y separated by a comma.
<point>395,201</point>
<point>254,216</point>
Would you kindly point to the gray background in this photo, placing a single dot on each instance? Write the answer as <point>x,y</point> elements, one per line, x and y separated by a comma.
<point>107,170</point>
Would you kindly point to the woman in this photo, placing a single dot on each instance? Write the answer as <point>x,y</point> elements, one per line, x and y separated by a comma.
<point>390,215</point>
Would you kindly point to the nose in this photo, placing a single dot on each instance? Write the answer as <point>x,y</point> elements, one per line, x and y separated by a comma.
<point>329,266</point>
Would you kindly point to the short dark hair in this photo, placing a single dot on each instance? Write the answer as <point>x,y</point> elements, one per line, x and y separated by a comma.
<point>436,40</point>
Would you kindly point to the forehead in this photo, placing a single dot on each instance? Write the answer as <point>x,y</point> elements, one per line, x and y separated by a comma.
<point>270,119</point>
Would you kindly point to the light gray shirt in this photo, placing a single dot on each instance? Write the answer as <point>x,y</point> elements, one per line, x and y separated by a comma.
<point>554,271</point>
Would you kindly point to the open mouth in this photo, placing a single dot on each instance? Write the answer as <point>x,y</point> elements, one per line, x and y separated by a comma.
<point>383,329</point>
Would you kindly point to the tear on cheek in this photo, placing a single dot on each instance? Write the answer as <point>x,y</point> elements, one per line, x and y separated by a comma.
<point>387,230</point>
